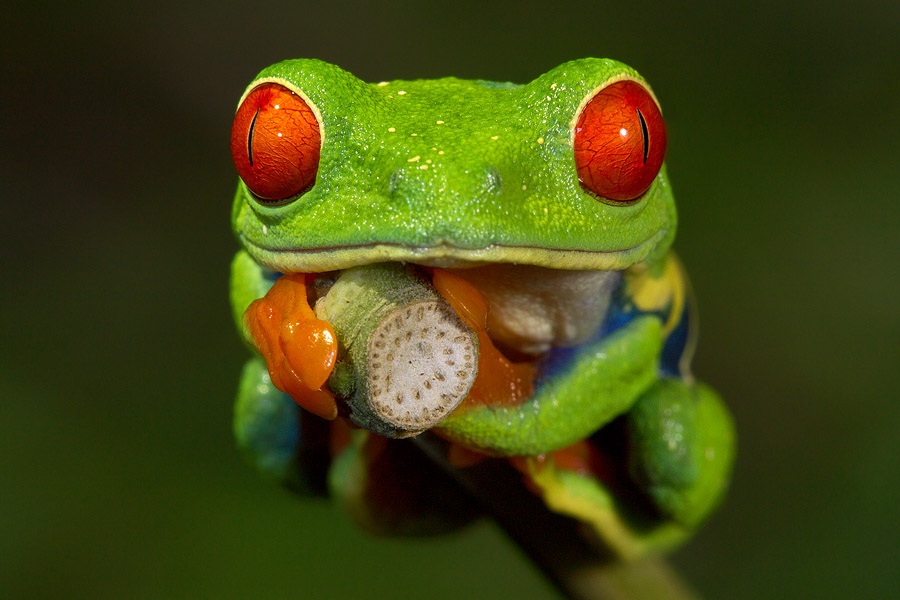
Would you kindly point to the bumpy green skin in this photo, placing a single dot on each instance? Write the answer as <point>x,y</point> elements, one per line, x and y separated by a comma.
<point>456,173</point>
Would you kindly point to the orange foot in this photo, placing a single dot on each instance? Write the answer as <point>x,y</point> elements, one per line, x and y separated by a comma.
<point>299,349</point>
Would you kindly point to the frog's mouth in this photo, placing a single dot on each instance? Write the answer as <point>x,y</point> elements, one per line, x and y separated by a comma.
<point>540,298</point>
<point>446,255</point>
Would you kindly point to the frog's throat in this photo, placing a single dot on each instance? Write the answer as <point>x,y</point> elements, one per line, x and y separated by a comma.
<point>316,260</point>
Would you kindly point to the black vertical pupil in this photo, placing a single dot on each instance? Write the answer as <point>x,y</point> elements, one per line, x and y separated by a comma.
<point>644,133</point>
<point>253,124</point>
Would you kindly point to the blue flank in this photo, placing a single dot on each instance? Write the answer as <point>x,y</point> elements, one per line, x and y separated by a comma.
<point>621,312</point>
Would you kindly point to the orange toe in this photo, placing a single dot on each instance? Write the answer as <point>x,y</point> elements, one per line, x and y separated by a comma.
<point>299,349</point>
<point>311,349</point>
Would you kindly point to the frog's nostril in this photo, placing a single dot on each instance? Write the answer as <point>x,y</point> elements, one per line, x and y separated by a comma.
<point>395,181</point>
<point>493,181</point>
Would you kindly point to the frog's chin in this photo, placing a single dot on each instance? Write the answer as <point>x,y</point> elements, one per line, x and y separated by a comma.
<point>317,260</point>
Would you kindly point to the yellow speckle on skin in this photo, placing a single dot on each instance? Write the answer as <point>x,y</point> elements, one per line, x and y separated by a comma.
<point>414,134</point>
<point>428,160</point>
<point>495,137</point>
<point>392,129</point>
<point>414,159</point>
<point>390,96</point>
<point>545,210</point>
<point>540,140</point>
<point>423,167</point>
<point>383,83</point>
<point>553,86</point>
<point>524,187</point>
<point>440,151</point>
<point>439,122</point>
<point>401,93</point>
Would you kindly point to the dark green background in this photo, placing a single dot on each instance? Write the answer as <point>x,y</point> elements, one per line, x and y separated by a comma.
<point>119,362</point>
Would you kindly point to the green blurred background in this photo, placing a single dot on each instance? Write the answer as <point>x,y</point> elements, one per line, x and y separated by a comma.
<point>118,474</point>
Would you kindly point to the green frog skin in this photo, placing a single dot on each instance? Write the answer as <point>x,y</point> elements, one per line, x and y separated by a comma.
<point>552,200</point>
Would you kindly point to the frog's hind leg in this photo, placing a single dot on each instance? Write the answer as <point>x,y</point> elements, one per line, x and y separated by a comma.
<point>680,448</point>
<point>646,480</point>
<point>285,443</point>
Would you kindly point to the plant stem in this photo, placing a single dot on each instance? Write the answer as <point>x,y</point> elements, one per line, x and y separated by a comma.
<point>405,359</point>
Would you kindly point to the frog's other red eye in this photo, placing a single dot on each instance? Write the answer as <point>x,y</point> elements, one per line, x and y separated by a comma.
<point>620,142</point>
<point>275,142</point>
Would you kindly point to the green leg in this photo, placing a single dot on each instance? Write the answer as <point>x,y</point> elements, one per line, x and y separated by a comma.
<point>681,448</point>
<point>282,441</point>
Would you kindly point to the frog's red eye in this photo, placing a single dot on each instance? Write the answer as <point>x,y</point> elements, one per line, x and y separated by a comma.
<point>620,141</point>
<point>275,142</point>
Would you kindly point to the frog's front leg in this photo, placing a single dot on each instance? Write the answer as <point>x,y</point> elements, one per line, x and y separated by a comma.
<point>283,441</point>
<point>597,383</point>
<point>273,313</point>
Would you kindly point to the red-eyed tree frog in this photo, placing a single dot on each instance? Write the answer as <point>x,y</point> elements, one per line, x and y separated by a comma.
<point>544,214</point>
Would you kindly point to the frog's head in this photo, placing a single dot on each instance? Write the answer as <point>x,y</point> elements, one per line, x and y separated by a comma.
<point>564,172</point>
